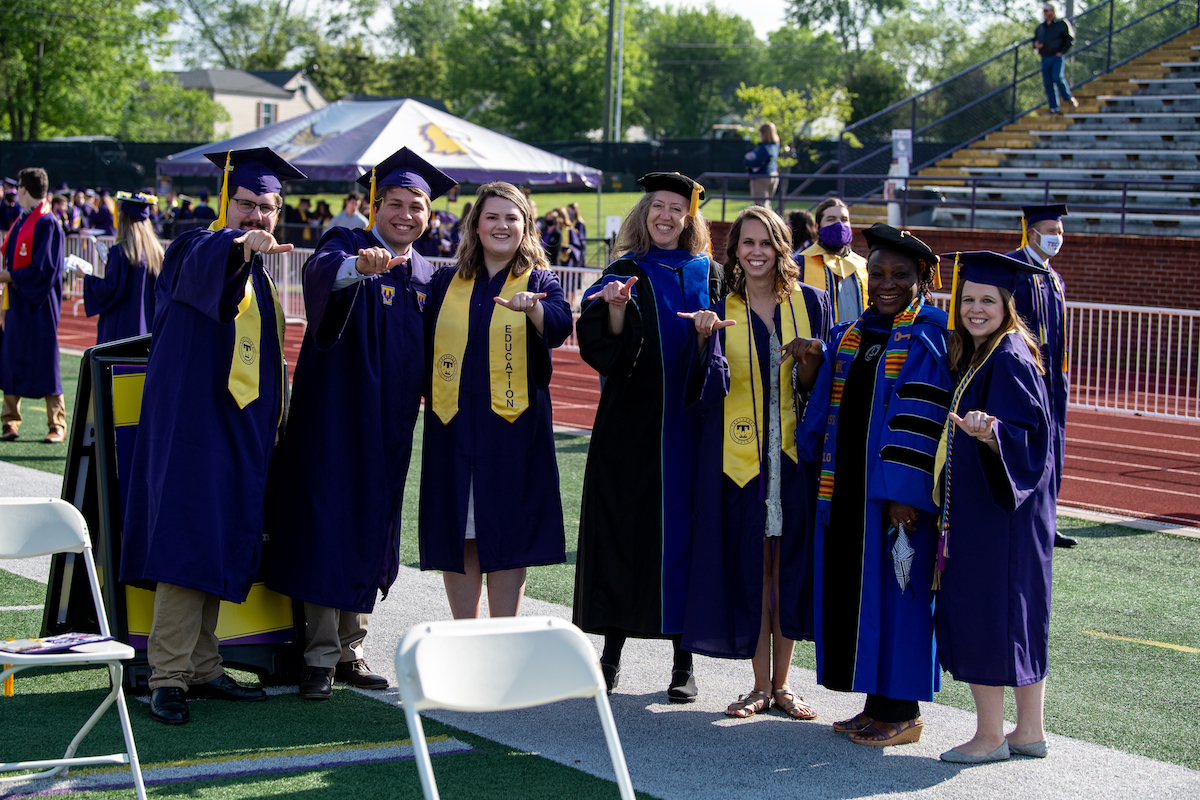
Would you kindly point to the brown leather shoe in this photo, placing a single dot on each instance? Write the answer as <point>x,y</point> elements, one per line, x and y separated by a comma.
<point>55,436</point>
<point>359,675</point>
<point>9,433</point>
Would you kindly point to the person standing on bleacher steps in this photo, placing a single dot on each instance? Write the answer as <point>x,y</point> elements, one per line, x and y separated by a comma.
<point>1052,39</point>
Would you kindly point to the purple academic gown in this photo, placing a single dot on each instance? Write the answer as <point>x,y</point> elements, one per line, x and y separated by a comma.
<point>124,298</point>
<point>335,491</point>
<point>518,508</point>
<point>1040,302</point>
<point>102,219</point>
<point>724,610</point>
<point>29,347</point>
<point>195,508</point>
<point>993,610</point>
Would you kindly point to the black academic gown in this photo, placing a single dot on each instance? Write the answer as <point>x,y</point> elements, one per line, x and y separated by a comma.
<point>336,485</point>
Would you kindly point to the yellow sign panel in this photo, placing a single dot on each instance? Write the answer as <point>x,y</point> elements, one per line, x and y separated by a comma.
<point>127,398</point>
<point>264,611</point>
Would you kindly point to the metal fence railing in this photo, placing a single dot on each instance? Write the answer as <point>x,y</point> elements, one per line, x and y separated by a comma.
<point>1132,359</point>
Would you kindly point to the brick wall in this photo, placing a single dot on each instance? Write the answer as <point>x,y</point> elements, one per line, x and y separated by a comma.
<point>1158,271</point>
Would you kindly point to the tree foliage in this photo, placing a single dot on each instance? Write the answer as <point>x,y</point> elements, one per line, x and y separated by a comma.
<point>818,113</point>
<point>68,68</point>
<point>160,111</point>
<point>851,20</point>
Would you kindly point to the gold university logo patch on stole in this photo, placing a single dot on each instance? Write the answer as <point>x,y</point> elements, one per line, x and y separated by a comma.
<point>387,293</point>
<point>421,301</point>
<point>741,430</point>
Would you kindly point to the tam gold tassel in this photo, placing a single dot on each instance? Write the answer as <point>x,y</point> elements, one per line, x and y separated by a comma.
<point>371,202</point>
<point>954,292</point>
<point>219,222</point>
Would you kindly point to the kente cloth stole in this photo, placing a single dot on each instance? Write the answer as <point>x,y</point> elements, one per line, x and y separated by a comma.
<point>23,255</point>
<point>507,354</point>
<point>743,418</point>
<point>244,367</point>
<point>897,352</point>
<point>942,465</point>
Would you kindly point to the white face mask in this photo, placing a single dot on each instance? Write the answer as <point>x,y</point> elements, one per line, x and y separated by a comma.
<point>1050,243</point>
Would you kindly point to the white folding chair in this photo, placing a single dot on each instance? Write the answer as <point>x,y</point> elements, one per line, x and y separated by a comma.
<point>498,665</point>
<point>38,527</point>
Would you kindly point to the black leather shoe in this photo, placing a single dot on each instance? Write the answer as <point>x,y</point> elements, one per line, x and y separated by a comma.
<point>683,686</point>
<point>1064,541</point>
<point>169,706</point>
<point>612,675</point>
<point>316,683</point>
<point>226,688</point>
<point>359,675</point>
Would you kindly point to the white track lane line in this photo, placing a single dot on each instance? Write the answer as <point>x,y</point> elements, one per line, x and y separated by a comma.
<point>1131,486</point>
<point>1134,466</point>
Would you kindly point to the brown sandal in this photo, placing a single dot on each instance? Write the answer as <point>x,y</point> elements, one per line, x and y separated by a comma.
<point>786,702</point>
<point>852,725</point>
<point>748,705</point>
<point>882,734</point>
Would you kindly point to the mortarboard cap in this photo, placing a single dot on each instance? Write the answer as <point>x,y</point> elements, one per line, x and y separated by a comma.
<point>90,193</point>
<point>136,205</point>
<point>10,186</point>
<point>1034,214</point>
<point>993,269</point>
<point>259,170</point>
<point>675,182</point>
<point>884,237</point>
<point>63,189</point>
<point>406,169</point>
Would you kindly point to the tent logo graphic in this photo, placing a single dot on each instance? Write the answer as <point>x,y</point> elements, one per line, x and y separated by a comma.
<point>302,140</point>
<point>440,143</point>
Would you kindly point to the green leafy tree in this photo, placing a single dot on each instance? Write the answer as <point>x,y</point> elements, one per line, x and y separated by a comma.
<point>818,113</point>
<point>874,84</point>
<point>421,26</point>
<point>850,20</point>
<point>798,58</point>
<point>160,111</point>
<point>68,68</point>
<point>697,59</point>
<point>530,68</point>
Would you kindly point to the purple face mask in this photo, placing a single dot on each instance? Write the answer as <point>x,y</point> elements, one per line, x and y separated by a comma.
<point>836,235</point>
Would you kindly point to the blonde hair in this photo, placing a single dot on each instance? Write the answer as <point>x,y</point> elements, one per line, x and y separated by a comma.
<point>634,236</point>
<point>139,241</point>
<point>564,219</point>
<point>787,272</point>
<point>961,348</point>
<point>530,253</point>
<point>768,134</point>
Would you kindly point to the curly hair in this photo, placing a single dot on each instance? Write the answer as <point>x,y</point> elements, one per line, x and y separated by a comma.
<point>787,271</point>
<point>530,253</point>
<point>634,236</point>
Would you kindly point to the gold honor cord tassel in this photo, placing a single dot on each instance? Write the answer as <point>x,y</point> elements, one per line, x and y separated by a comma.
<point>247,336</point>
<point>219,222</point>
<point>745,412</point>
<point>507,354</point>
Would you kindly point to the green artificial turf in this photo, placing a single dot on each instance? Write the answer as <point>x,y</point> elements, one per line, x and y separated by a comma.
<point>18,591</point>
<point>28,450</point>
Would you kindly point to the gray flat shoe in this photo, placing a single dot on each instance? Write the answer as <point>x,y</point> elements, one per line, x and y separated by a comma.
<point>955,757</point>
<point>1033,749</point>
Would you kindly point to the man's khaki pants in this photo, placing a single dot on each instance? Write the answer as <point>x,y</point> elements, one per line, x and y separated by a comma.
<point>182,648</point>
<point>56,412</point>
<point>332,635</point>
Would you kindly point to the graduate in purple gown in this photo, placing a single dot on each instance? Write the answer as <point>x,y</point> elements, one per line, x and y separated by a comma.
<point>102,219</point>
<point>751,583</point>
<point>336,549</point>
<point>10,210</point>
<point>1041,301</point>
<point>490,499</point>
<point>31,277</point>
<point>211,411</point>
<point>996,473</point>
<point>873,423</point>
<point>635,532</point>
<point>124,296</point>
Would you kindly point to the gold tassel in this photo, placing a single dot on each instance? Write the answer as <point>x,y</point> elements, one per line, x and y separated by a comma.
<point>371,203</point>
<point>219,222</point>
<point>954,292</point>
<point>694,206</point>
<point>1024,233</point>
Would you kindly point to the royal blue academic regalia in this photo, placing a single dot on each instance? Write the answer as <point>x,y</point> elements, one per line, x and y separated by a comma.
<point>195,508</point>
<point>1041,302</point>
<point>29,346</point>
<point>635,531</point>
<point>364,347</point>
<point>510,466</point>
<point>993,610</point>
<point>872,636</point>
<point>124,298</point>
<point>724,612</point>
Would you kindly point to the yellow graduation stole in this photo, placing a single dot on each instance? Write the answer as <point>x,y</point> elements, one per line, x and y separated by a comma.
<point>247,339</point>
<point>744,405</point>
<point>815,262</point>
<point>507,354</point>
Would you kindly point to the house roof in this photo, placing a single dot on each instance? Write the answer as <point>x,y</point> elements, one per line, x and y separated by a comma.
<point>231,81</point>
<point>278,77</point>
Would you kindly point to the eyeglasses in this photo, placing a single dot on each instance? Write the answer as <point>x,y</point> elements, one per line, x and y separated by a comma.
<point>247,206</point>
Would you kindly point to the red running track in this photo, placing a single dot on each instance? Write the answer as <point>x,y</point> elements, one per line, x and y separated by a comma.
<point>1142,467</point>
